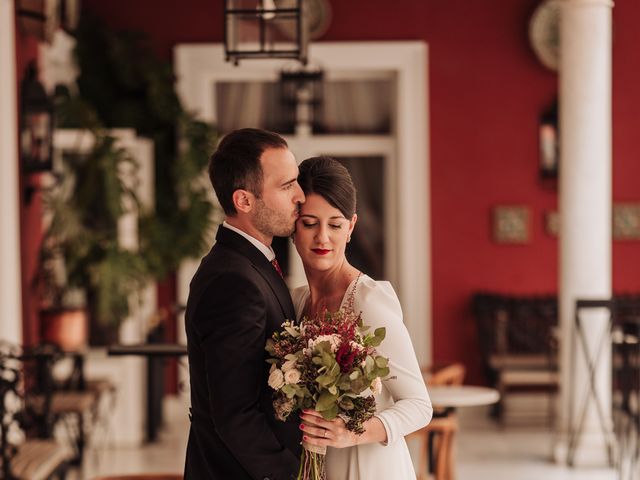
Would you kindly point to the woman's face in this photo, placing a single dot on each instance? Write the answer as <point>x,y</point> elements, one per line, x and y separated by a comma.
<point>321,235</point>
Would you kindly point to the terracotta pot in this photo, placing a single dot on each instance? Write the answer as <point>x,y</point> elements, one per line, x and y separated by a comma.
<point>66,328</point>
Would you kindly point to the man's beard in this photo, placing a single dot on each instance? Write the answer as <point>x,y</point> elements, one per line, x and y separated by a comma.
<point>271,222</point>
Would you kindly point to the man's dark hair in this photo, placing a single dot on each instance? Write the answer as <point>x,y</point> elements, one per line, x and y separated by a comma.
<point>236,164</point>
<point>331,180</point>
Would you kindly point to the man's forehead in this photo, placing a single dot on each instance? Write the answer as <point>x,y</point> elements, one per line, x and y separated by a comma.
<point>278,161</point>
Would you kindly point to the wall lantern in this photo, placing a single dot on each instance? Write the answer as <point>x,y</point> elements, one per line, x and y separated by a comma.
<point>265,29</point>
<point>301,93</point>
<point>36,124</point>
<point>41,18</point>
<point>549,142</point>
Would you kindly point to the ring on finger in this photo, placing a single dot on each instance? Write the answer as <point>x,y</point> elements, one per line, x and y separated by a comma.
<point>325,433</point>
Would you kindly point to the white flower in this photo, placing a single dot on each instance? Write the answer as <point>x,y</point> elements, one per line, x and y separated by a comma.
<point>334,341</point>
<point>376,386</point>
<point>292,376</point>
<point>356,347</point>
<point>288,365</point>
<point>276,379</point>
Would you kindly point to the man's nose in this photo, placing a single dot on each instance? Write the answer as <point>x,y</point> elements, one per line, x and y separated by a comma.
<point>299,195</point>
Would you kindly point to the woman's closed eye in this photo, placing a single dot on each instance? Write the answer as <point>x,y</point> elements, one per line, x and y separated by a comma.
<point>314,224</point>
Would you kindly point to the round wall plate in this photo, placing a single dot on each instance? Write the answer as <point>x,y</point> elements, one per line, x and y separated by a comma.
<point>317,12</point>
<point>544,33</point>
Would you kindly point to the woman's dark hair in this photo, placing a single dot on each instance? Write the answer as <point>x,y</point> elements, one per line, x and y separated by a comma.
<point>236,164</point>
<point>331,180</point>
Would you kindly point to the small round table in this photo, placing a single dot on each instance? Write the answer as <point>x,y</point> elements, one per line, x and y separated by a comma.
<point>462,396</point>
<point>445,399</point>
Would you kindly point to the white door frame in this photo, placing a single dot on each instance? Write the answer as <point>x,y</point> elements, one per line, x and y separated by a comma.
<point>199,66</point>
<point>10,277</point>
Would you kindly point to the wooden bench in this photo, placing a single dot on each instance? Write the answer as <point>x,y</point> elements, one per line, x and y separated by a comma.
<point>518,341</point>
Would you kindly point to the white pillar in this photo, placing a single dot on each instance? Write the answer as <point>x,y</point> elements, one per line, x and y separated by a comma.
<point>10,281</point>
<point>585,208</point>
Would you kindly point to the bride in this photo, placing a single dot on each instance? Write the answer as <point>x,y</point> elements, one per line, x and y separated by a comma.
<point>324,228</point>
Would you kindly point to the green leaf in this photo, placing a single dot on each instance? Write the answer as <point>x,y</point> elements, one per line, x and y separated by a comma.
<point>289,390</point>
<point>355,374</point>
<point>325,401</point>
<point>325,380</point>
<point>327,359</point>
<point>369,364</point>
<point>359,385</point>
<point>330,413</point>
<point>344,383</point>
<point>381,362</point>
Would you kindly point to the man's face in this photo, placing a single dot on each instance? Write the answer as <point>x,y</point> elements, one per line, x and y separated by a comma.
<point>276,210</point>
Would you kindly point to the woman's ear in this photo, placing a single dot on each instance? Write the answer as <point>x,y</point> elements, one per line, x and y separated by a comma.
<point>352,224</point>
<point>243,200</point>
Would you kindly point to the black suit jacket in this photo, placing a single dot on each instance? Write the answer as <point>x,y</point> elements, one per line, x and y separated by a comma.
<point>236,301</point>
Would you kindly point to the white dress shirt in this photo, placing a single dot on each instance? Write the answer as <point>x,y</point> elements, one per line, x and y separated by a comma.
<point>266,251</point>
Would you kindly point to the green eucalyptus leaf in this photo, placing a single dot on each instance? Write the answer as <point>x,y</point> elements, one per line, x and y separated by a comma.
<point>325,380</point>
<point>381,362</point>
<point>325,401</point>
<point>330,413</point>
<point>369,364</point>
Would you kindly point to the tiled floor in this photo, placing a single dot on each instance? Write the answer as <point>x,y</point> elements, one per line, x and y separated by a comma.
<point>484,452</point>
<point>487,451</point>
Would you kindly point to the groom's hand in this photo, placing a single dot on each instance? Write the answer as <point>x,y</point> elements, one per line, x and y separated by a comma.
<point>330,433</point>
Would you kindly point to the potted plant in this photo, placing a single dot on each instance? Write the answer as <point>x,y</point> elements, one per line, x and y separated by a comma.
<point>82,262</point>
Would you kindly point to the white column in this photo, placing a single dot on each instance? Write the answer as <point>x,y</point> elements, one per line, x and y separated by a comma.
<point>585,208</point>
<point>10,281</point>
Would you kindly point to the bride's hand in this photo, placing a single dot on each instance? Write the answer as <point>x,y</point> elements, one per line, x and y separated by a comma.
<point>331,433</point>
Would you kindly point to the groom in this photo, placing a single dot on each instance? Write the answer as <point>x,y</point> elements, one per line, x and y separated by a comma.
<point>236,301</point>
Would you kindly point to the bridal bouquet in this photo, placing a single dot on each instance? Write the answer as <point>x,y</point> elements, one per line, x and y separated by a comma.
<point>327,363</point>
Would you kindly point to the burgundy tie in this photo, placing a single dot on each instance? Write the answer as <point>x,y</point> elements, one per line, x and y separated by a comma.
<point>276,265</point>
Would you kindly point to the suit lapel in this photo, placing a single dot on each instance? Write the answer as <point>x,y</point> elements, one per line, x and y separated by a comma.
<point>279,288</point>
<point>263,267</point>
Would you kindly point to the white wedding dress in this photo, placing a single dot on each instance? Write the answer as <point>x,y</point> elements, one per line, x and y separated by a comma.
<point>403,406</point>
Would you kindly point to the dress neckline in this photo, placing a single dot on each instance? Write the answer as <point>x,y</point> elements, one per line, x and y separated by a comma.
<point>349,295</point>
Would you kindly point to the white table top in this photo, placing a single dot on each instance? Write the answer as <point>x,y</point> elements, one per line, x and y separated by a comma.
<point>462,396</point>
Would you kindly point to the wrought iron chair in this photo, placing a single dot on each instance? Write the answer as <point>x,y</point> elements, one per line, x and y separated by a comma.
<point>23,457</point>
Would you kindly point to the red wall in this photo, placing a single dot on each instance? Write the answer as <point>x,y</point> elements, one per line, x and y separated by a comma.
<point>30,215</point>
<point>486,92</point>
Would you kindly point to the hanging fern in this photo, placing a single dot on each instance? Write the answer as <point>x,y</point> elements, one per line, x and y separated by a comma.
<point>136,90</point>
